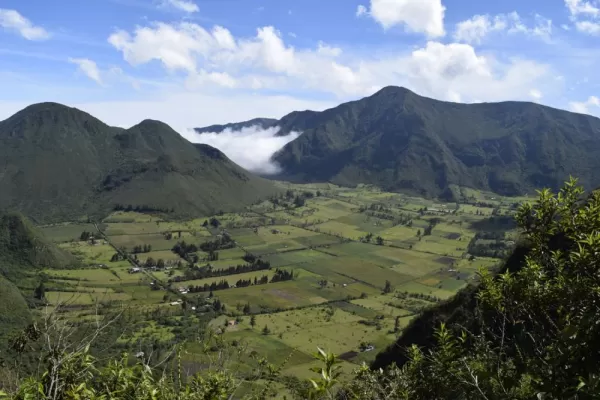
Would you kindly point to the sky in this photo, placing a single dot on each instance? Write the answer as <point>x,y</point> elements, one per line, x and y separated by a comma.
<point>201,62</point>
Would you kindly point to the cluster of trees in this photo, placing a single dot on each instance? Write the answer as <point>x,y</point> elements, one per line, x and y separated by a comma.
<point>138,249</point>
<point>489,244</point>
<point>170,235</point>
<point>282,275</point>
<point>118,257</point>
<point>213,221</point>
<point>210,272</point>
<point>292,198</point>
<point>369,238</point>
<point>143,209</point>
<point>151,263</point>
<point>183,249</point>
<point>279,276</point>
<point>221,243</point>
<point>85,236</point>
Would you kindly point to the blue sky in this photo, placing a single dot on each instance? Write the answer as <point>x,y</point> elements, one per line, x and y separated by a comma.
<point>194,63</point>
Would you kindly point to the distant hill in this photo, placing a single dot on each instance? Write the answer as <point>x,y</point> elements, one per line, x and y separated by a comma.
<point>261,123</point>
<point>399,140</point>
<point>59,163</point>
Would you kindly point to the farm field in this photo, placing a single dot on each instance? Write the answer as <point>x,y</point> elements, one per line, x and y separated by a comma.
<point>323,266</point>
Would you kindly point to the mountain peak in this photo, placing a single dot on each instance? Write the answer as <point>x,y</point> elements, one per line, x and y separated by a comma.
<point>392,91</point>
<point>51,108</point>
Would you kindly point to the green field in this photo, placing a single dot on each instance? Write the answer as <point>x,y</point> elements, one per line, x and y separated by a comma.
<point>336,300</point>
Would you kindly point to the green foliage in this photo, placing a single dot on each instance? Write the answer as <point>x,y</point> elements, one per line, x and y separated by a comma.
<point>60,164</point>
<point>538,331</point>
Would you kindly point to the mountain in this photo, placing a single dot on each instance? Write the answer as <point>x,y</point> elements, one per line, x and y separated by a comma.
<point>297,121</point>
<point>261,123</point>
<point>60,163</point>
<point>401,141</point>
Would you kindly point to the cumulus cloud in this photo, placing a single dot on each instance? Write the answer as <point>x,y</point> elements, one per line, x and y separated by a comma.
<point>475,29</point>
<point>11,20</point>
<point>216,58</point>
<point>251,148</point>
<point>585,15</point>
<point>589,27</point>
<point>419,16</point>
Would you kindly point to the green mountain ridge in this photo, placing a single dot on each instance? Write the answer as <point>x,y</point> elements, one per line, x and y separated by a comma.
<point>261,123</point>
<point>401,141</point>
<point>60,163</point>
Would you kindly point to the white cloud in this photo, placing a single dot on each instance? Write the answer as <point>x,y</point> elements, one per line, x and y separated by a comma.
<point>328,51</point>
<point>361,10</point>
<point>535,94</point>
<point>591,28</point>
<point>583,107</point>
<point>582,7</point>
<point>250,148</point>
<point>13,21</point>
<point>88,67</point>
<point>475,29</point>
<point>584,15</point>
<point>202,78</point>
<point>420,16</point>
<point>265,61</point>
<point>182,5</point>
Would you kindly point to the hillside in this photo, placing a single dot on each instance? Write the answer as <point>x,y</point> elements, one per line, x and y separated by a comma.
<point>23,248</point>
<point>23,251</point>
<point>399,140</point>
<point>60,163</point>
<point>14,313</point>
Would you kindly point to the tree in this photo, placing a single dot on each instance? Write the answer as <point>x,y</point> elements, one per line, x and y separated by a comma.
<point>299,201</point>
<point>369,237</point>
<point>246,309</point>
<point>388,287</point>
<point>160,263</point>
<point>379,240</point>
<point>85,236</point>
<point>150,262</point>
<point>266,330</point>
<point>397,324</point>
<point>253,321</point>
<point>40,292</point>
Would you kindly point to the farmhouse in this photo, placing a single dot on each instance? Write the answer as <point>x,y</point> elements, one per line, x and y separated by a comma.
<point>134,270</point>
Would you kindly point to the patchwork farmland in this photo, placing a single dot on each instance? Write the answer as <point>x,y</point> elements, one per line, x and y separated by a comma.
<point>320,266</point>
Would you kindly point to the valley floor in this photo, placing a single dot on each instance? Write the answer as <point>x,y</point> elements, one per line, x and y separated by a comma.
<point>364,263</point>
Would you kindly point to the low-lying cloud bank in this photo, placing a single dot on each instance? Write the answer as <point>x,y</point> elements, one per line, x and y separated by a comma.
<point>251,148</point>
